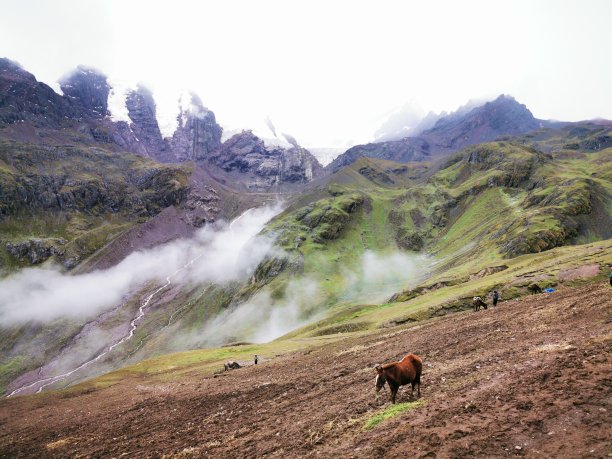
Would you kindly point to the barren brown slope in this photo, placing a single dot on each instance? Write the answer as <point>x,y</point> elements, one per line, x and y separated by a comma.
<point>531,378</point>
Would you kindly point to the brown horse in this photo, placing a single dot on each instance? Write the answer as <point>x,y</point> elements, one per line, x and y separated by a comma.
<point>231,365</point>
<point>396,374</point>
<point>478,303</point>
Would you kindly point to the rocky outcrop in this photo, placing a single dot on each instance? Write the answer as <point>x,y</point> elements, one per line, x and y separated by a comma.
<point>142,111</point>
<point>201,206</point>
<point>35,250</point>
<point>89,89</point>
<point>23,99</point>
<point>247,154</point>
<point>327,219</point>
<point>121,185</point>
<point>197,134</point>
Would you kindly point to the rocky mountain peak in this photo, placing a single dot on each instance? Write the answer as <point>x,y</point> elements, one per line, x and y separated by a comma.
<point>22,98</point>
<point>143,113</point>
<point>469,125</point>
<point>11,71</point>
<point>246,153</point>
<point>88,88</point>
<point>501,114</point>
<point>197,133</point>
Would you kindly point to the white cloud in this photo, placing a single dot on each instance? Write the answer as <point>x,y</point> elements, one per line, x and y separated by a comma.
<point>217,255</point>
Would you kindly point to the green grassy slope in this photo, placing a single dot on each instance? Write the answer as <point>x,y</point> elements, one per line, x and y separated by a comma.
<point>496,215</point>
<point>68,202</point>
<point>490,201</point>
<point>447,292</point>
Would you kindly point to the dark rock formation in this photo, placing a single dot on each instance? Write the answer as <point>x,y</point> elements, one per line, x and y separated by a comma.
<point>23,99</point>
<point>247,154</point>
<point>201,206</point>
<point>89,89</point>
<point>142,111</point>
<point>36,114</point>
<point>35,250</point>
<point>197,134</point>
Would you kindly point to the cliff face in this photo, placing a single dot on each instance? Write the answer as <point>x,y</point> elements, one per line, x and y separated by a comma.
<point>23,99</point>
<point>142,111</point>
<point>89,89</point>
<point>197,134</point>
<point>265,167</point>
<point>32,112</point>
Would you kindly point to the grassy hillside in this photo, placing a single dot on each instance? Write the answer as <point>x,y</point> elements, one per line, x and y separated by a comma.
<point>67,202</point>
<point>445,293</point>
<point>496,215</point>
<point>492,201</point>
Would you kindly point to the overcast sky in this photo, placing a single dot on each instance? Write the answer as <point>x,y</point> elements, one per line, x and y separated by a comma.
<point>328,72</point>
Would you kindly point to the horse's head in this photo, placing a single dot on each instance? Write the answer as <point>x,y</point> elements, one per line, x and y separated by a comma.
<point>380,378</point>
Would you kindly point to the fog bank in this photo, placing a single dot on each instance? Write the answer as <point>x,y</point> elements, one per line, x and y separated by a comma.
<point>219,254</point>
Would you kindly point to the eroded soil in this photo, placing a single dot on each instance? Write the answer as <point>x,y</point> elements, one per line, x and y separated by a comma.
<point>531,378</point>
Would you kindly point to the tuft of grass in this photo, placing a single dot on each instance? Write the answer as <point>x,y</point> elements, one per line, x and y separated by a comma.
<point>391,412</point>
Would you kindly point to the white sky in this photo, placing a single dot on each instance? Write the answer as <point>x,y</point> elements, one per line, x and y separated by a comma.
<point>327,72</point>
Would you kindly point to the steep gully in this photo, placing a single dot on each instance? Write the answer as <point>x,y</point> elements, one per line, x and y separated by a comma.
<point>46,382</point>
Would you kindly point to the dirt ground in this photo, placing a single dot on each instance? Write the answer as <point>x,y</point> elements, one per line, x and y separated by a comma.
<point>532,378</point>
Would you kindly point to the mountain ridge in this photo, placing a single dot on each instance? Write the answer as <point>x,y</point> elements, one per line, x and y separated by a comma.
<point>31,111</point>
<point>450,133</point>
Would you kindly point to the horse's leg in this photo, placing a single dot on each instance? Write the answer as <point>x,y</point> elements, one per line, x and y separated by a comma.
<point>412,393</point>
<point>393,392</point>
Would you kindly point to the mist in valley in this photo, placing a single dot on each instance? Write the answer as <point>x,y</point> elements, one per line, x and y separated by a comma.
<point>217,254</point>
<point>306,299</point>
<point>110,304</point>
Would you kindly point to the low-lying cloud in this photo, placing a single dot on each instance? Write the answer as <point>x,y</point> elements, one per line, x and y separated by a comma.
<point>263,317</point>
<point>222,254</point>
<point>382,274</point>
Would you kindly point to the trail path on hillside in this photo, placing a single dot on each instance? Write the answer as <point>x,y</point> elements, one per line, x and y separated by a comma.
<point>532,378</point>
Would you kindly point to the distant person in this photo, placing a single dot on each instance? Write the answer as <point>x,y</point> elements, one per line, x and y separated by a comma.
<point>610,278</point>
<point>256,359</point>
<point>495,297</point>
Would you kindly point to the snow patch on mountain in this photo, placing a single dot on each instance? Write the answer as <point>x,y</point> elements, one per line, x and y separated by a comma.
<point>168,111</point>
<point>116,100</point>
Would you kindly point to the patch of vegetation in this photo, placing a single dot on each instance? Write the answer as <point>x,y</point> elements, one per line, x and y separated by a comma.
<point>390,412</point>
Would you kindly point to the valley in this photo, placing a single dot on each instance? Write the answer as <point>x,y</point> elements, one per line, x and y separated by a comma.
<point>135,263</point>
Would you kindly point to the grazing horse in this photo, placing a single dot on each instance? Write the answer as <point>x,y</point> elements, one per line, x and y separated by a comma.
<point>478,303</point>
<point>534,288</point>
<point>396,374</point>
<point>231,365</point>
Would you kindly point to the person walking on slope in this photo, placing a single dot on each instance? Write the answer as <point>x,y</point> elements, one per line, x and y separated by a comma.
<point>496,297</point>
